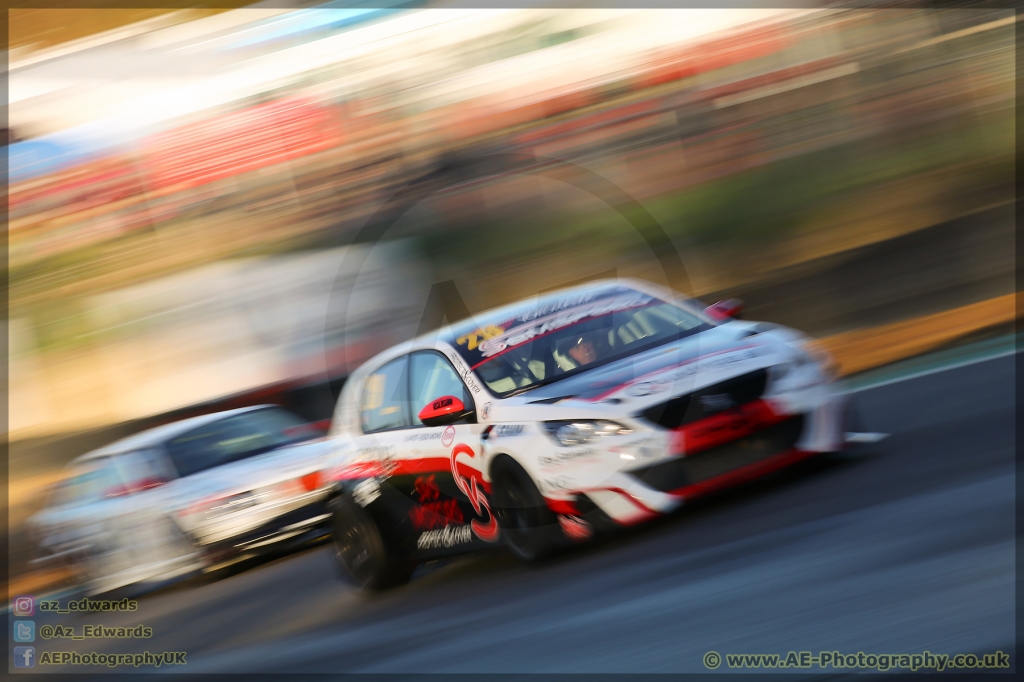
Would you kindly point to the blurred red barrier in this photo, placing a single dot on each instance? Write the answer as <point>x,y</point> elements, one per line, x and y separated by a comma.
<point>238,142</point>
<point>472,119</point>
<point>93,183</point>
<point>774,77</point>
<point>712,55</point>
<point>587,122</point>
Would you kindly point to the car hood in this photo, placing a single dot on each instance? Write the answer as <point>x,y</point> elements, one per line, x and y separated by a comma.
<point>648,378</point>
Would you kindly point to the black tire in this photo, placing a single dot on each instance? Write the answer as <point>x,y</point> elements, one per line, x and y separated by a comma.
<point>529,529</point>
<point>359,551</point>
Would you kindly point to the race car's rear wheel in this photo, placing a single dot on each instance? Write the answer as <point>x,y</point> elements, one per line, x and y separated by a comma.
<point>529,528</point>
<point>359,550</point>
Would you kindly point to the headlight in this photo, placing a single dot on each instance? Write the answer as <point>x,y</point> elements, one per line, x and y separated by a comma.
<point>580,432</point>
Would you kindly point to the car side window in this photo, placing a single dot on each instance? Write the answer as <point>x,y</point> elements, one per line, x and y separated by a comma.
<point>142,469</point>
<point>385,401</point>
<point>233,438</point>
<point>431,377</point>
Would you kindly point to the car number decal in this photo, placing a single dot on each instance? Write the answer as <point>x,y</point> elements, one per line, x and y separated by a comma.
<point>470,482</point>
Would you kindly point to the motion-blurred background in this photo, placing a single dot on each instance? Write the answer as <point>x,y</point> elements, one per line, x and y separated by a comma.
<point>190,191</point>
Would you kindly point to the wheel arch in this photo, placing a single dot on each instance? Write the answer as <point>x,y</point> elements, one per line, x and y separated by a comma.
<point>494,460</point>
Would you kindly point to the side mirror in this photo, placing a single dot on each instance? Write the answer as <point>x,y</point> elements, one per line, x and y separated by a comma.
<point>445,410</point>
<point>724,310</point>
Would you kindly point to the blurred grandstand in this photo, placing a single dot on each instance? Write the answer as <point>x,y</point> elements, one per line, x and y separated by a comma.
<point>758,138</point>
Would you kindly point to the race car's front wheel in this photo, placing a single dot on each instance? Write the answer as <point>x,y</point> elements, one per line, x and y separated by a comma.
<point>530,529</point>
<point>359,550</point>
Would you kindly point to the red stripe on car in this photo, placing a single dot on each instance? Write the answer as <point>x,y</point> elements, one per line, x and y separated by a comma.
<point>562,506</point>
<point>724,427</point>
<point>743,474</point>
<point>400,467</point>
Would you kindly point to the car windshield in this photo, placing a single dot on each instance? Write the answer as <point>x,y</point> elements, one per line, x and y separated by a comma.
<point>234,438</point>
<point>546,349</point>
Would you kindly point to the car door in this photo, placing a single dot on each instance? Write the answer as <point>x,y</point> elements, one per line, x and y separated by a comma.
<point>450,490</point>
<point>149,535</point>
<point>383,480</point>
<point>96,520</point>
<point>385,416</point>
<point>72,524</point>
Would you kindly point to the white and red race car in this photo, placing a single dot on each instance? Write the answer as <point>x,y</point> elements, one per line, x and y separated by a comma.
<point>541,423</point>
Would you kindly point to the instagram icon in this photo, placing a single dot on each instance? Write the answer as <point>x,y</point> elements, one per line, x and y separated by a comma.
<point>24,606</point>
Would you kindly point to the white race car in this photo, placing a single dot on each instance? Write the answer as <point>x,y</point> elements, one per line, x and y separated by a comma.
<point>184,497</point>
<point>542,423</point>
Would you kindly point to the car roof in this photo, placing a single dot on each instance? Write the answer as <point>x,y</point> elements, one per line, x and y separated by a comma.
<point>160,434</point>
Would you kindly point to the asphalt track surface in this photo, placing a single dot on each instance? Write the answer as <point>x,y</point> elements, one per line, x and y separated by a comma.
<point>907,548</point>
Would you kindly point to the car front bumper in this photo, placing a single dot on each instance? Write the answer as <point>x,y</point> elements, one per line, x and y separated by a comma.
<point>658,475</point>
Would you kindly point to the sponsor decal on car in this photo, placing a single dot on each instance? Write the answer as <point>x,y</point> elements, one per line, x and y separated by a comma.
<point>563,456</point>
<point>432,511</point>
<point>435,514</point>
<point>426,488</point>
<point>557,306</point>
<point>449,536</point>
<point>448,436</point>
<point>463,370</point>
<point>470,481</point>
<point>433,435</point>
<point>542,325</point>
<point>473,339</point>
<point>506,431</point>
<point>377,452</point>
